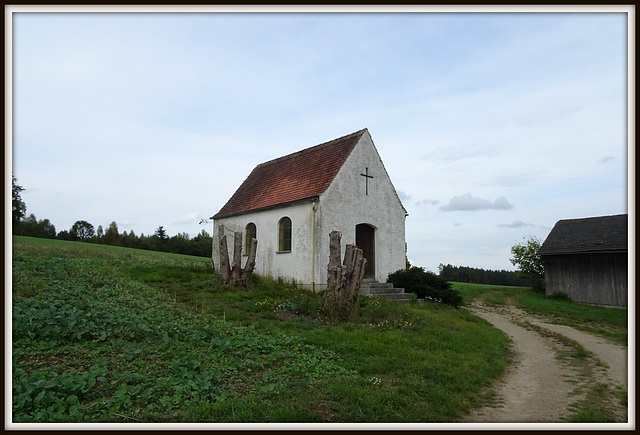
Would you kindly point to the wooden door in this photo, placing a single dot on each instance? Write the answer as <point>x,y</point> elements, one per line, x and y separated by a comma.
<point>365,240</point>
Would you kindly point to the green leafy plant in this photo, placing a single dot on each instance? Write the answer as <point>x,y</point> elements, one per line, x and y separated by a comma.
<point>530,265</point>
<point>122,317</point>
<point>426,285</point>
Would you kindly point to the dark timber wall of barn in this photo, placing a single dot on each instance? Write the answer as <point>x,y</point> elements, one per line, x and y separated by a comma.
<point>588,278</point>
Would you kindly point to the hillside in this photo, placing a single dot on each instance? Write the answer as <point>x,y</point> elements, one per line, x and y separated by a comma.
<point>120,335</point>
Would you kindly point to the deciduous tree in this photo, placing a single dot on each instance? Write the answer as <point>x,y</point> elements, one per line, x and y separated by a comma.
<point>48,230</point>
<point>82,231</point>
<point>18,207</point>
<point>37,228</point>
<point>530,266</point>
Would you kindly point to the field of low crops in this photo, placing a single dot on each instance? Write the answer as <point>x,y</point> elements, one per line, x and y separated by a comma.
<point>104,334</point>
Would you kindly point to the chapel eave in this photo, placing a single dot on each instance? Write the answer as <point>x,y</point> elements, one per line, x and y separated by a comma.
<point>271,207</point>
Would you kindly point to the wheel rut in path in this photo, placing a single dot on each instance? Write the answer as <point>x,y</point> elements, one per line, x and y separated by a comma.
<point>538,387</point>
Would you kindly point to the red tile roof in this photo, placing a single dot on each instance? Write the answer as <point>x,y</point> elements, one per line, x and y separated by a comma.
<point>303,175</point>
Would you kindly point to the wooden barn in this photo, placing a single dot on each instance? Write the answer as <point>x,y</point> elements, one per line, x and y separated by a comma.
<point>586,259</point>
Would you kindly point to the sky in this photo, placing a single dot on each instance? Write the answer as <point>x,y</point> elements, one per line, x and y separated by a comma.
<point>492,126</point>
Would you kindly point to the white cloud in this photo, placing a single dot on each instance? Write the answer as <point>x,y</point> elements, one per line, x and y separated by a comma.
<point>404,197</point>
<point>171,112</point>
<point>516,224</point>
<point>468,202</point>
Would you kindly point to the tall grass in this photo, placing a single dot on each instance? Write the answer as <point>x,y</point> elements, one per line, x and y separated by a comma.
<point>104,334</point>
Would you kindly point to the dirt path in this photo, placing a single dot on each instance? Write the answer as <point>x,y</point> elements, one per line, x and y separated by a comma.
<point>539,387</point>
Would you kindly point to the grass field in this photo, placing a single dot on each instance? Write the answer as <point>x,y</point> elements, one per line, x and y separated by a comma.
<point>610,323</point>
<point>105,334</point>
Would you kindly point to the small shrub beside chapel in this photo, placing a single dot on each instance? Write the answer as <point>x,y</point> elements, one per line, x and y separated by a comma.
<point>426,285</point>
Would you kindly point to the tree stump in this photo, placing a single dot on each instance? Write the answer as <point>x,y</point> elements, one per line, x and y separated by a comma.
<point>236,270</point>
<point>343,280</point>
<point>234,273</point>
<point>225,268</point>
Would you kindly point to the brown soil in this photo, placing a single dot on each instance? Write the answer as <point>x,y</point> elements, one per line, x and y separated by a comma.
<point>540,386</point>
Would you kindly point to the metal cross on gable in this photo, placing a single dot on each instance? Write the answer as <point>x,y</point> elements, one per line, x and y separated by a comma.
<point>367,176</point>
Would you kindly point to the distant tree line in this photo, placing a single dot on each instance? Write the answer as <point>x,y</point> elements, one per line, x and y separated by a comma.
<point>481,276</point>
<point>83,231</point>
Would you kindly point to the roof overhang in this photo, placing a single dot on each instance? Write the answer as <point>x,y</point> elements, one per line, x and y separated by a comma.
<point>583,252</point>
<point>273,207</point>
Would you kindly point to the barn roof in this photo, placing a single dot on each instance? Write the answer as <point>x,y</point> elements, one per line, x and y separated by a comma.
<point>587,235</point>
<point>303,175</point>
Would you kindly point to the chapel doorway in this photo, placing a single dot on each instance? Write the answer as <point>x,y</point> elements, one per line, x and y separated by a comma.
<point>366,240</point>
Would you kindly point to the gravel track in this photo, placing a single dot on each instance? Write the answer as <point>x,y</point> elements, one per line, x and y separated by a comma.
<point>539,387</point>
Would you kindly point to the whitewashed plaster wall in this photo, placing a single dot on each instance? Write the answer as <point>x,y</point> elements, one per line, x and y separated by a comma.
<point>341,207</point>
<point>294,265</point>
<point>345,204</point>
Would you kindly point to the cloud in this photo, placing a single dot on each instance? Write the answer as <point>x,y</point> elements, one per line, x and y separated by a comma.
<point>190,218</point>
<point>516,224</point>
<point>467,202</point>
<point>427,202</point>
<point>178,90</point>
<point>403,196</point>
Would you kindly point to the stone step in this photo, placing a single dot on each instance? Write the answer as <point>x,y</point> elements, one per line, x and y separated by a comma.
<point>381,291</point>
<point>384,290</point>
<point>394,297</point>
<point>377,285</point>
<point>398,297</point>
<point>370,287</point>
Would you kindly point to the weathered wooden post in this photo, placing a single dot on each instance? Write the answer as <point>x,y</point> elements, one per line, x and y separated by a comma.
<point>251,262</point>
<point>354,262</point>
<point>343,281</point>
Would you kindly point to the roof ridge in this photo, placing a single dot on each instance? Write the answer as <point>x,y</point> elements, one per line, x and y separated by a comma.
<point>311,148</point>
<point>594,217</point>
<point>290,178</point>
<point>585,235</point>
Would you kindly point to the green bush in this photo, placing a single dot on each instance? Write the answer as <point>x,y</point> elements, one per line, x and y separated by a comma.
<point>426,285</point>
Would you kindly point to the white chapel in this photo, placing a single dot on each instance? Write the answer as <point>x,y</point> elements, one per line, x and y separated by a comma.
<point>291,204</point>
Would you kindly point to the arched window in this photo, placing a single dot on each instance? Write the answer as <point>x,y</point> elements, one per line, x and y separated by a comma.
<point>249,233</point>
<point>284,235</point>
